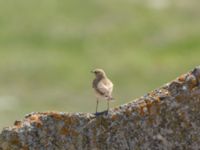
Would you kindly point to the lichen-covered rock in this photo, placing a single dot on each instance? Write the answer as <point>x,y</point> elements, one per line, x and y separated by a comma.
<point>164,119</point>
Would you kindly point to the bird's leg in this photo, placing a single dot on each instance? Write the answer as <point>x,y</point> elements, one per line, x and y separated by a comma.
<point>97,105</point>
<point>108,105</point>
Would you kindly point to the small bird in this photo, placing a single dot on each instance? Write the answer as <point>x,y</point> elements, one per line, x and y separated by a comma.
<point>102,86</point>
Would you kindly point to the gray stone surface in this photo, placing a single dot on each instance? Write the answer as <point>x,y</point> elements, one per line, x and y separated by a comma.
<point>167,118</point>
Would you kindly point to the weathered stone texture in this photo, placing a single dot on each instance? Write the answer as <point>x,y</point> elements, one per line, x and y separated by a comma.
<point>167,118</point>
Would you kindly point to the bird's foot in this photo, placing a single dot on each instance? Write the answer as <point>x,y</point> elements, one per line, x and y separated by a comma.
<point>101,113</point>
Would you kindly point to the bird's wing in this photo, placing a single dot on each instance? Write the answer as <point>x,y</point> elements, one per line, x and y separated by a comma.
<point>105,87</point>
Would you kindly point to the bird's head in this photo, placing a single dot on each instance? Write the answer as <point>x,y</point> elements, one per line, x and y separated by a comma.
<point>99,73</point>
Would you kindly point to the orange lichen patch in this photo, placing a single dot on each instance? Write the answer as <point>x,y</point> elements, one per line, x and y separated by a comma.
<point>17,124</point>
<point>35,119</point>
<point>157,105</point>
<point>157,100</point>
<point>154,112</point>
<point>193,84</point>
<point>70,121</point>
<point>155,109</point>
<point>151,104</point>
<point>57,116</point>
<point>141,108</point>
<point>148,105</point>
<point>64,131</point>
<point>114,117</point>
<point>182,78</point>
<point>152,94</point>
<point>38,124</point>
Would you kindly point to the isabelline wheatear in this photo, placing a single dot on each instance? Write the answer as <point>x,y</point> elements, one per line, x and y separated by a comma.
<point>102,86</point>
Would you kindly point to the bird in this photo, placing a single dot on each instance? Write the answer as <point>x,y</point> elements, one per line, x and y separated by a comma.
<point>102,86</point>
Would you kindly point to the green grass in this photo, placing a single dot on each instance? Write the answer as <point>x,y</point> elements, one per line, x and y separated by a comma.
<point>47,49</point>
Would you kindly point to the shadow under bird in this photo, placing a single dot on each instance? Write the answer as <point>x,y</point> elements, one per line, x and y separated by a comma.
<point>103,88</point>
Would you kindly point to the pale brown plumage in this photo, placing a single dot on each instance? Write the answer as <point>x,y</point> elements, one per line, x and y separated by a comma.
<point>102,86</point>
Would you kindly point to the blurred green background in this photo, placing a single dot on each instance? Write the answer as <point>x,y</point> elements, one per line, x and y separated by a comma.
<point>49,47</point>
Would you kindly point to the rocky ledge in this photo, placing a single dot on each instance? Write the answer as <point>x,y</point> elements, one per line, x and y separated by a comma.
<point>166,118</point>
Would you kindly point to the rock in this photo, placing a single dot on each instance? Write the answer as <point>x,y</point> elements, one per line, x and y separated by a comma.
<point>166,118</point>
